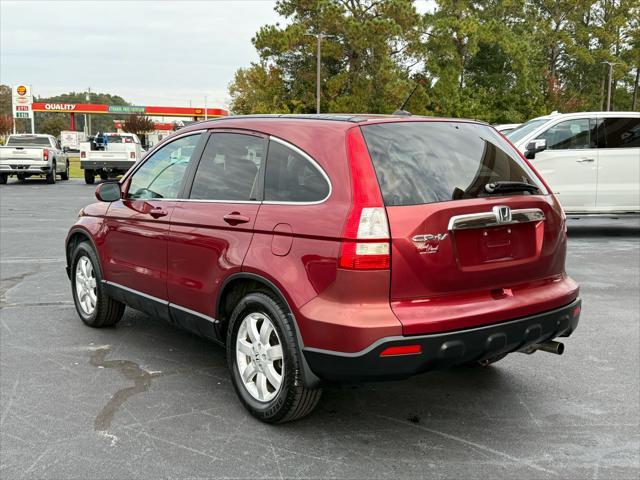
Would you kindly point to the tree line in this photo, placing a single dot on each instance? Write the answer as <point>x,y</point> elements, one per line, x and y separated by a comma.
<point>500,61</point>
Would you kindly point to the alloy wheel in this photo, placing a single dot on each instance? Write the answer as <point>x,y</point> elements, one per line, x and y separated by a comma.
<point>86,285</point>
<point>259,357</point>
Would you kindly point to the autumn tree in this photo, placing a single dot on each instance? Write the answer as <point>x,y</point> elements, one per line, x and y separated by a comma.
<point>138,124</point>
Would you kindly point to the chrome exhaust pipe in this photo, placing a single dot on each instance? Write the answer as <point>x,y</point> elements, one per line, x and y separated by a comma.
<point>548,346</point>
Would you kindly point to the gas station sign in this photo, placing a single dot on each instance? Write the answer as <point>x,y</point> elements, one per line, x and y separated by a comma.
<point>21,100</point>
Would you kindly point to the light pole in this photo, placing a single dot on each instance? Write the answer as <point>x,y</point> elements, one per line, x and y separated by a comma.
<point>87,117</point>
<point>319,36</point>
<point>611,64</point>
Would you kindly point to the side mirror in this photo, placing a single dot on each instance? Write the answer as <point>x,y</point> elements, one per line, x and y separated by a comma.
<point>534,147</point>
<point>108,192</point>
<point>65,149</point>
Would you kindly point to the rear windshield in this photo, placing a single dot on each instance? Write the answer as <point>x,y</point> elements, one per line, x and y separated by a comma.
<point>28,142</point>
<point>426,162</point>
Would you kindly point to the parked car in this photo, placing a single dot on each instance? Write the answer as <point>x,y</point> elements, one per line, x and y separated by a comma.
<point>109,155</point>
<point>591,160</point>
<point>506,127</point>
<point>331,248</point>
<point>26,155</point>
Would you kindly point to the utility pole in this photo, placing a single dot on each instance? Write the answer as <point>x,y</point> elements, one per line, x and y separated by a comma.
<point>611,64</point>
<point>87,117</point>
<point>319,36</point>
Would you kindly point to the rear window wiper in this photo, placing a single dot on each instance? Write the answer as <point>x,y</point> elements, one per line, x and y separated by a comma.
<point>501,187</point>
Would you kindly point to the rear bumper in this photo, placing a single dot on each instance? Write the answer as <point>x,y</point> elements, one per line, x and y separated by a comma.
<point>443,350</point>
<point>123,165</point>
<point>35,168</point>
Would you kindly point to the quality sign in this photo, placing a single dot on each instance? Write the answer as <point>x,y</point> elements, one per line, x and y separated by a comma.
<point>21,100</point>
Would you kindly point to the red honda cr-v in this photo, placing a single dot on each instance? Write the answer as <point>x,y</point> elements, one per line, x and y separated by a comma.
<point>331,248</point>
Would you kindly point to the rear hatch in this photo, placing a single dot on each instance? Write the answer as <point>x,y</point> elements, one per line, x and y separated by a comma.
<point>463,256</point>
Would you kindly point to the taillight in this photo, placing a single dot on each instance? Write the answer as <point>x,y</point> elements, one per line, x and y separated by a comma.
<point>83,154</point>
<point>366,243</point>
<point>45,155</point>
<point>132,155</point>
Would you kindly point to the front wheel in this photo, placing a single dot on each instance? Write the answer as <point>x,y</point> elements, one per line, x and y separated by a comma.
<point>265,361</point>
<point>95,307</point>
<point>89,177</point>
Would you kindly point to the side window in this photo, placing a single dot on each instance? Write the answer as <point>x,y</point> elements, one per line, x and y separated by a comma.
<point>229,167</point>
<point>621,132</point>
<point>290,177</point>
<point>570,135</point>
<point>161,175</point>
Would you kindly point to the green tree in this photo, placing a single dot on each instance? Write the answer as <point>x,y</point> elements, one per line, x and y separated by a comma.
<point>53,126</point>
<point>365,62</point>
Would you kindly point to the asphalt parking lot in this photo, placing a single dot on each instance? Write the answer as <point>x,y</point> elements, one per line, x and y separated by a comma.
<point>145,400</point>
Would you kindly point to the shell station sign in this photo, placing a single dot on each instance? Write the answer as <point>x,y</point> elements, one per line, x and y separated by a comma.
<point>22,101</point>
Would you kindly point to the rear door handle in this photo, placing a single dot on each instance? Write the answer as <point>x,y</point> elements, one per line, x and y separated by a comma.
<point>583,160</point>
<point>158,212</point>
<point>235,218</point>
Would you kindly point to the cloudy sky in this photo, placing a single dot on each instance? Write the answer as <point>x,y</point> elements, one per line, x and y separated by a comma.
<point>149,52</point>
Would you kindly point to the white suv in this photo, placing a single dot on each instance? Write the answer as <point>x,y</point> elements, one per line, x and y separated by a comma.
<point>591,160</point>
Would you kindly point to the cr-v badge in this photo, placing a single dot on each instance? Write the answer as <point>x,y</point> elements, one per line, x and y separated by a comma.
<point>429,243</point>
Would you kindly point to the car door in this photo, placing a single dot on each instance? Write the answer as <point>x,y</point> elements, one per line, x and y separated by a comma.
<point>212,228</point>
<point>619,165</point>
<point>570,163</point>
<point>135,244</point>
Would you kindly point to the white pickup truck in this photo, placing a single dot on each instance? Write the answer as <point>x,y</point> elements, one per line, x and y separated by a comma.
<point>109,154</point>
<point>26,155</point>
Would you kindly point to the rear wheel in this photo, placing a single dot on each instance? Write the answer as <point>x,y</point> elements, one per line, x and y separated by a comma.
<point>3,178</point>
<point>51,176</point>
<point>89,177</point>
<point>104,176</point>
<point>21,176</point>
<point>65,175</point>
<point>95,307</point>
<point>265,361</point>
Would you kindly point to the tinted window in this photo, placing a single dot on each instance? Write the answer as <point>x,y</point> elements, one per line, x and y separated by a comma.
<point>425,162</point>
<point>28,141</point>
<point>621,132</point>
<point>525,129</point>
<point>291,177</point>
<point>570,135</point>
<point>161,175</point>
<point>229,168</point>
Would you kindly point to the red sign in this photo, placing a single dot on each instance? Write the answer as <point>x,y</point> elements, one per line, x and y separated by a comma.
<point>148,110</point>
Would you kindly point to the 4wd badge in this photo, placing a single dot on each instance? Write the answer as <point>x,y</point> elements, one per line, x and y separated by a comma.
<point>429,243</point>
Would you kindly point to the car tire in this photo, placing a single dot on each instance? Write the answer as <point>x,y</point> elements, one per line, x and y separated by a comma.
<point>89,177</point>
<point>51,176</point>
<point>65,175</point>
<point>3,178</point>
<point>94,306</point>
<point>290,400</point>
<point>21,177</point>
<point>104,176</point>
